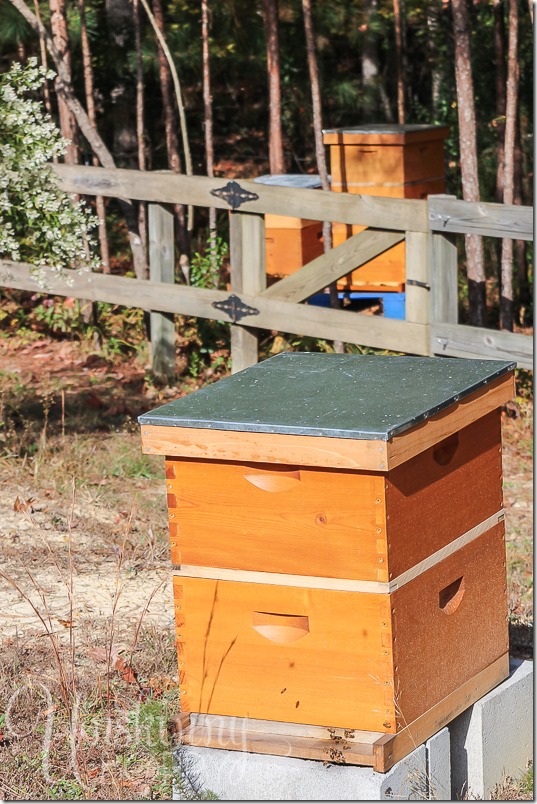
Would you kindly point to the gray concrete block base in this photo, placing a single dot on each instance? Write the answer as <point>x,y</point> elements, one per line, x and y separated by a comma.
<point>239,776</point>
<point>494,737</point>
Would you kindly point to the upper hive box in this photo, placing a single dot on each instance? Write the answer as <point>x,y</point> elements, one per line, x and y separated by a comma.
<point>398,161</point>
<point>387,160</point>
<point>290,243</point>
<point>337,538</point>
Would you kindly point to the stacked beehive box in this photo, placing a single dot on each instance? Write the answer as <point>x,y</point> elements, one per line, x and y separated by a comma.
<point>291,243</point>
<point>393,161</point>
<point>337,539</point>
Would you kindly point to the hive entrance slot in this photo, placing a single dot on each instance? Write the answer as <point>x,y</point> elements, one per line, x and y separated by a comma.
<point>450,597</point>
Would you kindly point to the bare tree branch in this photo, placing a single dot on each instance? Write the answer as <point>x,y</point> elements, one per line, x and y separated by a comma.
<point>64,88</point>
<point>180,104</point>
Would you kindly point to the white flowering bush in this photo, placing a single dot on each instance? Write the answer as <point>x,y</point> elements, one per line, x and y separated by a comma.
<point>39,223</point>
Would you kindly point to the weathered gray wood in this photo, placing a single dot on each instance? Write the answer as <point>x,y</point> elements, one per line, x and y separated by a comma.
<point>248,275</point>
<point>150,296</point>
<point>457,340</point>
<point>447,214</point>
<point>340,325</point>
<point>330,267</point>
<point>417,287</point>
<point>402,214</point>
<point>161,269</point>
<point>300,319</point>
<point>443,280</point>
<point>254,278</point>
<point>244,347</point>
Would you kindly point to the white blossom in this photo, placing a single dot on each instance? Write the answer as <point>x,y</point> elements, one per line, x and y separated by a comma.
<point>39,223</point>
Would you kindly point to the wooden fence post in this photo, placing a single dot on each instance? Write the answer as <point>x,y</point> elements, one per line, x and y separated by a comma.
<point>444,288</point>
<point>248,275</point>
<point>418,283</point>
<point>161,269</point>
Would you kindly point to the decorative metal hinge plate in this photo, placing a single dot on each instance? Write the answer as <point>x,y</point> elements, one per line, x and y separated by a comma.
<point>234,194</point>
<point>235,308</point>
<point>416,283</point>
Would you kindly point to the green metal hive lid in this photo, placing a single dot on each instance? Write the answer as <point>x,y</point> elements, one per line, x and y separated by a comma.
<point>385,128</point>
<point>331,395</point>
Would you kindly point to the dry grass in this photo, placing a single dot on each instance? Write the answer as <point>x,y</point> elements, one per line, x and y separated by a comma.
<point>88,670</point>
<point>516,789</point>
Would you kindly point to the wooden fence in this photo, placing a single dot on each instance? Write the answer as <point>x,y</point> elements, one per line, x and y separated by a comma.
<point>431,324</point>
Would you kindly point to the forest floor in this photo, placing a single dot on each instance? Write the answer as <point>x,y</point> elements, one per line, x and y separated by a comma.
<point>88,675</point>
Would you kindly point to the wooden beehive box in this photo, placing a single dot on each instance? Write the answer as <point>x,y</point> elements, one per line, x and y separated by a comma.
<point>291,243</point>
<point>393,161</point>
<point>337,540</point>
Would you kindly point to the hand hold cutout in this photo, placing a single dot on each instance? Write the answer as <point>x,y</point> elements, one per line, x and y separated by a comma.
<point>444,452</point>
<point>280,628</point>
<point>274,481</point>
<point>449,598</point>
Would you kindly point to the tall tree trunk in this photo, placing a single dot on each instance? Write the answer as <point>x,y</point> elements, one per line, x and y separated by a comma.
<point>43,52</point>
<point>170,127</point>
<point>433,10</point>
<point>499,58</point>
<point>506,298</point>
<point>90,105</point>
<point>499,122</point>
<point>400,60</point>
<point>140,129</point>
<point>468,158</point>
<point>120,81</point>
<point>318,134</point>
<point>374,92</point>
<point>65,89</point>
<point>58,23</point>
<point>521,260</point>
<point>208,119</point>
<point>270,20</point>
<point>120,32</point>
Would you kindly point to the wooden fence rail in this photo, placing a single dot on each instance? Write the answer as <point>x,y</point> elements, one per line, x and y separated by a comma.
<point>430,326</point>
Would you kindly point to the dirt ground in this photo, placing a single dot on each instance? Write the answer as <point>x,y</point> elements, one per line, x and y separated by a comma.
<point>84,531</point>
<point>58,493</point>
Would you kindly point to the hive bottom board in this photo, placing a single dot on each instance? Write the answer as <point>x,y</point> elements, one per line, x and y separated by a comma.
<point>339,746</point>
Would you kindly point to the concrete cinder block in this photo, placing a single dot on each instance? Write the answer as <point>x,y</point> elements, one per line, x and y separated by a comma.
<point>439,766</point>
<point>240,776</point>
<point>494,737</point>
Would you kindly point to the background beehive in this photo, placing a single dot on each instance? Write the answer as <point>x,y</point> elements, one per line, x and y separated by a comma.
<point>291,243</point>
<point>389,161</point>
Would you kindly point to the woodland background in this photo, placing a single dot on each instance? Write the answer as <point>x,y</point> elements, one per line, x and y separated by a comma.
<point>257,82</point>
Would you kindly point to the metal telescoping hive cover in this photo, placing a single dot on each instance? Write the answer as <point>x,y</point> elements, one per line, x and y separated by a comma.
<point>384,128</point>
<point>302,181</point>
<point>331,395</point>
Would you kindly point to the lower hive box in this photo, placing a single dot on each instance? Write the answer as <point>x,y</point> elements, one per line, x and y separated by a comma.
<point>338,598</point>
<point>342,658</point>
<point>291,243</point>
